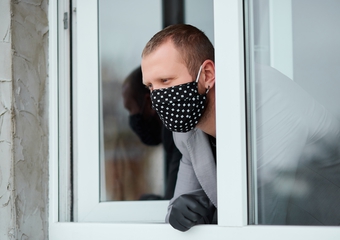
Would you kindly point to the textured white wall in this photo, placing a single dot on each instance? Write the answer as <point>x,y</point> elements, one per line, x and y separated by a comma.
<point>23,119</point>
<point>7,212</point>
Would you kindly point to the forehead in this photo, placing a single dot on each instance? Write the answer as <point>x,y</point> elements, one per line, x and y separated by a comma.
<point>164,59</point>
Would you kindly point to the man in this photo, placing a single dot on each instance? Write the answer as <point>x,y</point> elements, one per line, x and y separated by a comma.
<point>178,68</point>
<point>297,138</point>
<point>144,121</point>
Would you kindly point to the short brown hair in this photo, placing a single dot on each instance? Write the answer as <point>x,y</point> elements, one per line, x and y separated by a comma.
<point>192,44</point>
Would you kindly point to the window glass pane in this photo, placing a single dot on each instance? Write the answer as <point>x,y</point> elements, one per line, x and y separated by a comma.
<point>129,168</point>
<point>199,13</point>
<point>134,165</point>
<point>293,80</point>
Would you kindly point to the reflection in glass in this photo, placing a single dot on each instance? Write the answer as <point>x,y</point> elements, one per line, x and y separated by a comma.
<point>293,81</point>
<point>129,168</point>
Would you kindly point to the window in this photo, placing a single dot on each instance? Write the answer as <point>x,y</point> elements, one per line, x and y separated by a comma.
<point>292,73</point>
<point>231,143</point>
<point>132,166</point>
<point>129,168</point>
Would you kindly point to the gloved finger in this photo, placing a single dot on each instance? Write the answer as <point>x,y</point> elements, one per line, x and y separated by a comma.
<point>203,200</point>
<point>182,224</point>
<point>195,206</point>
<point>179,227</point>
<point>181,210</point>
<point>191,215</point>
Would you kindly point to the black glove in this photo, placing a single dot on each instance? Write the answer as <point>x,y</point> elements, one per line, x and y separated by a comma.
<point>189,210</point>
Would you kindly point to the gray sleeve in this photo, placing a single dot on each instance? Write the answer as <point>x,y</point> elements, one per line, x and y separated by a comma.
<point>186,178</point>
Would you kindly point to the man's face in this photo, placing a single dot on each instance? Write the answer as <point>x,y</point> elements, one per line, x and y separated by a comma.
<point>164,68</point>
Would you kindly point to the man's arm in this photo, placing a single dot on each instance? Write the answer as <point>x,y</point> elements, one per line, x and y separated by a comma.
<point>190,205</point>
<point>186,182</point>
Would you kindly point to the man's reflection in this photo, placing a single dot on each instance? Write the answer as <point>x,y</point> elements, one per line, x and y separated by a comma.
<point>298,154</point>
<point>145,122</point>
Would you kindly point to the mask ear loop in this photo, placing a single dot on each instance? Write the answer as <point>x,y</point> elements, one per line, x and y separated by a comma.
<point>198,76</point>
<point>199,73</point>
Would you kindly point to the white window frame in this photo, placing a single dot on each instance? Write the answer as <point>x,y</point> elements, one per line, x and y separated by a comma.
<point>231,143</point>
<point>86,133</point>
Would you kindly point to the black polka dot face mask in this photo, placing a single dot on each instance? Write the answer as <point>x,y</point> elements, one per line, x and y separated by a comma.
<point>179,107</point>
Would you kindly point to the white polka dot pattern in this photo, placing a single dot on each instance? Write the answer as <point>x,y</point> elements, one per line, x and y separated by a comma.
<point>180,107</point>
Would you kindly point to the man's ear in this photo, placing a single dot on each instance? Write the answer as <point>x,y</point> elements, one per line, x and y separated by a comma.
<point>208,69</point>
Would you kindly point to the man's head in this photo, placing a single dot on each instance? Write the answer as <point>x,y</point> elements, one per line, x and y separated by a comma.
<point>175,56</point>
<point>192,44</point>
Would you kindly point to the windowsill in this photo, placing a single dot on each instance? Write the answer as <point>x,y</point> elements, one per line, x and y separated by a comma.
<point>165,231</point>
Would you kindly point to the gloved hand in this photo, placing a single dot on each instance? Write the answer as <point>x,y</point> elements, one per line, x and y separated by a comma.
<point>188,210</point>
